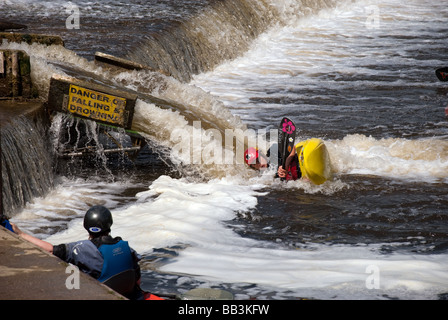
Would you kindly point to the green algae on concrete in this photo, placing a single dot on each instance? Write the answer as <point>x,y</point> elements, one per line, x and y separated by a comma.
<point>31,38</point>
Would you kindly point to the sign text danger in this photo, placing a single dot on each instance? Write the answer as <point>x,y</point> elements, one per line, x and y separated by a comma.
<point>96,105</point>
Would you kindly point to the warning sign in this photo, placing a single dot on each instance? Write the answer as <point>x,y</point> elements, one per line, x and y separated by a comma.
<point>97,102</point>
<point>96,105</point>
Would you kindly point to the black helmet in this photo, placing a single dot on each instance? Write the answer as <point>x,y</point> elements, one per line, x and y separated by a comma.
<point>98,219</point>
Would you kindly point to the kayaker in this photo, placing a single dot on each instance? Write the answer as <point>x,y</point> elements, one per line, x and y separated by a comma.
<point>292,168</point>
<point>258,161</point>
<point>110,260</point>
<point>308,159</point>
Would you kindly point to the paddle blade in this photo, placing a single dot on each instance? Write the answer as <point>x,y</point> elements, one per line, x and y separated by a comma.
<point>287,134</point>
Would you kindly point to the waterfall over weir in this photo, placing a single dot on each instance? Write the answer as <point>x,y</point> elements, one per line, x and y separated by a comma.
<point>222,31</point>
<point>26,162</point>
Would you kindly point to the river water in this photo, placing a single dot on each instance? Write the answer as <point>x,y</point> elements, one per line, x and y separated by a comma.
<point>358,74</point>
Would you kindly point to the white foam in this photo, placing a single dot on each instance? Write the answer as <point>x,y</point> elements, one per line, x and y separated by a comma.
<point>175,212</point>
<point>421,159</point>
<point>342,269</point>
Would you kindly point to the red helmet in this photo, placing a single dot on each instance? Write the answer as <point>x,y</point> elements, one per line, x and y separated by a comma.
<point>251,156</point>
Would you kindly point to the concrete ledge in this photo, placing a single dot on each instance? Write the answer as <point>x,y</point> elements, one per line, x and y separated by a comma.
<point>32,38</point>
<point>11,108</point>
<point>30,273</point>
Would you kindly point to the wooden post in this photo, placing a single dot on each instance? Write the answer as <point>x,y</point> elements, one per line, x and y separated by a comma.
<point>15,75</point>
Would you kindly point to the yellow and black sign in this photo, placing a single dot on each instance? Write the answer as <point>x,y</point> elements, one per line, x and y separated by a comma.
<point>96,105</point>
<point>100,103</point>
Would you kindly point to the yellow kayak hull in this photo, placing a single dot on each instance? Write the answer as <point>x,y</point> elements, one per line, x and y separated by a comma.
<point>314,160</point>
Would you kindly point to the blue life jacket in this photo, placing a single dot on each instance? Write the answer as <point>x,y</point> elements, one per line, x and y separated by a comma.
<point>117,258</point>
<point>5,223</point>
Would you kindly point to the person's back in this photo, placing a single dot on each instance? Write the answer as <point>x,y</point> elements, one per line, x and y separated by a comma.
<point>110,260</point>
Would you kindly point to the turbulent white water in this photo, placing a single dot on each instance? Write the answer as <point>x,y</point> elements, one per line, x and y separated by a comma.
<point>176,212</point>
<point>313,60</point>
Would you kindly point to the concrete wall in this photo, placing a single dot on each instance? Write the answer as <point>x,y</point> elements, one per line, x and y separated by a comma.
<point>29,273</point>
